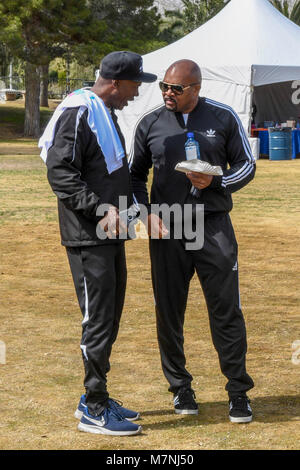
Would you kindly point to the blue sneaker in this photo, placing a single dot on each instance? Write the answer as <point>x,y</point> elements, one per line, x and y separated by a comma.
<point>81,407</point>
<point>108,422</point>
<point>130,415</point>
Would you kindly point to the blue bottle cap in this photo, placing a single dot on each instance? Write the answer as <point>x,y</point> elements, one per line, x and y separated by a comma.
<point>190,134</point>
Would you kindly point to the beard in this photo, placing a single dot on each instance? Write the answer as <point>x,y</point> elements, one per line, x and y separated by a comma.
<point>173,108</point>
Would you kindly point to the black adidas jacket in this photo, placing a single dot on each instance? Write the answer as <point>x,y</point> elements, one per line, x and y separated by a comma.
<point>159,141</point>
<point>78,176</point>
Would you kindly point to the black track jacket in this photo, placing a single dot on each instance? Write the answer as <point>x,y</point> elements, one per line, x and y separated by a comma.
<point>159,141</point>
<point>78,176</point>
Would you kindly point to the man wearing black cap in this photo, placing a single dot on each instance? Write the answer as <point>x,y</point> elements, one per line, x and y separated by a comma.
<point>84,151</point>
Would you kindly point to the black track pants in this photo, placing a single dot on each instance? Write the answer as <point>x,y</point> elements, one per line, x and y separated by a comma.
<point>216,265</point>
<point>99,275</point>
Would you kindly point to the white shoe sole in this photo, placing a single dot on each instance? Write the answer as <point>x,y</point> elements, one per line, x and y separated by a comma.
<point>102,430</point>
<point>245,419</point>
<point>78,415</point>
<point>186,412</point>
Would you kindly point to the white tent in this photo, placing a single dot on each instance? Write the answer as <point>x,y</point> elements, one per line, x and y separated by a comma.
<point>248,44</point>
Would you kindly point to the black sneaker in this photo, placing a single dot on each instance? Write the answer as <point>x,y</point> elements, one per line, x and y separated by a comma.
<point>240,409</point>
<point>184,402</point>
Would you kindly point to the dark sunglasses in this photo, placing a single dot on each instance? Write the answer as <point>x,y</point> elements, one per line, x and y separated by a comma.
<point>176,89</point>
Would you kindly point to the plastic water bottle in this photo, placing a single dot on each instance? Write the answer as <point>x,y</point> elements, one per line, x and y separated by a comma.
<point>192,151</point>
<point>191,146</point>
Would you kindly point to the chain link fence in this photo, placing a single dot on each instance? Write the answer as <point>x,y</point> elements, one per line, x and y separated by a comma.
<point>57,89</point>
<point>61,88</point>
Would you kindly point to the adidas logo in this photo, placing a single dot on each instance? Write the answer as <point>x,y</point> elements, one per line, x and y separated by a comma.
<point>210,133</point>
<point>235,267</point>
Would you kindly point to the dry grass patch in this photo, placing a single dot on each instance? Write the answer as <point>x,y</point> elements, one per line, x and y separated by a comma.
<point>41,325</point>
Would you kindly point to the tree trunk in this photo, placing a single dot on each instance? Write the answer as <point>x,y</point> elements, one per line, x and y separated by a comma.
<point>32,101</point>
<point>44,85</point>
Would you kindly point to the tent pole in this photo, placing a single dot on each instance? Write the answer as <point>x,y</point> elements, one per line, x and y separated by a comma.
<point>251,101</point>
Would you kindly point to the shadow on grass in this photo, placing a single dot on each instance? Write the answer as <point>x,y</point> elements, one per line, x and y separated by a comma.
<point>268,409</point>
<point>12,120</point>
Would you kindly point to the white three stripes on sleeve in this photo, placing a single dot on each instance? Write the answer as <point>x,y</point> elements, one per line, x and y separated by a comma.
<point>247,168</point>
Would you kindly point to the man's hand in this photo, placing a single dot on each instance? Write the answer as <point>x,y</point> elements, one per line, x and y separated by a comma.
<point>112,224</point>
<point>156,227</point>
<point>199,180</point>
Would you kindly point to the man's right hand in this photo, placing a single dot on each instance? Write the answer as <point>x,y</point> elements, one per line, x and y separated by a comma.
<point>156,227</point>
<point>112,224</point>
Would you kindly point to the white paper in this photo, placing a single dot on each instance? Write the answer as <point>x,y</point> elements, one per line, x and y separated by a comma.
<point>199,166</point>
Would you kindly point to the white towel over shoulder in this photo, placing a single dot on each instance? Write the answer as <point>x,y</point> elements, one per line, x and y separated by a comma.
<point>100,122</point>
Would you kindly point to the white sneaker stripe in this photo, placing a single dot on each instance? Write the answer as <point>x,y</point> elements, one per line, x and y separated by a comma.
<point>98,422</point>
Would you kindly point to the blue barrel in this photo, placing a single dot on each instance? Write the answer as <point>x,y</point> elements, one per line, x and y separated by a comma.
<point>280,143</point>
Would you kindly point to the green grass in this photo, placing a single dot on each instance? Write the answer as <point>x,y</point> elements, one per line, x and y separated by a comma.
<point>11,114</point>
<point>12,121</point>
<point>25,141</point>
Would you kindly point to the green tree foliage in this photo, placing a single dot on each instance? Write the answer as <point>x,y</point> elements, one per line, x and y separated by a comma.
<point>39,30</point>
<point>290,11</point>
<point>130,25</point>
<point>4,60</point>
<point>35,30</point>
<point>195,12</point>
<point>198,12</point>
<point>172,27</point>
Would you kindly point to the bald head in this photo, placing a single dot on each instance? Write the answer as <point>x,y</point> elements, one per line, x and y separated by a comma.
<point>187,74</point>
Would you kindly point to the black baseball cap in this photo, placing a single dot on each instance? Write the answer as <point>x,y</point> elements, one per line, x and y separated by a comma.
<point>125,65</point>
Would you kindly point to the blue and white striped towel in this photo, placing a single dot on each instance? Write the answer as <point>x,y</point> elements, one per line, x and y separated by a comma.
<point>100,122</point>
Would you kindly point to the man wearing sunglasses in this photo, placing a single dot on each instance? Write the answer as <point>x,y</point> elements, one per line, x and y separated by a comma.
<point>159,142</point>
